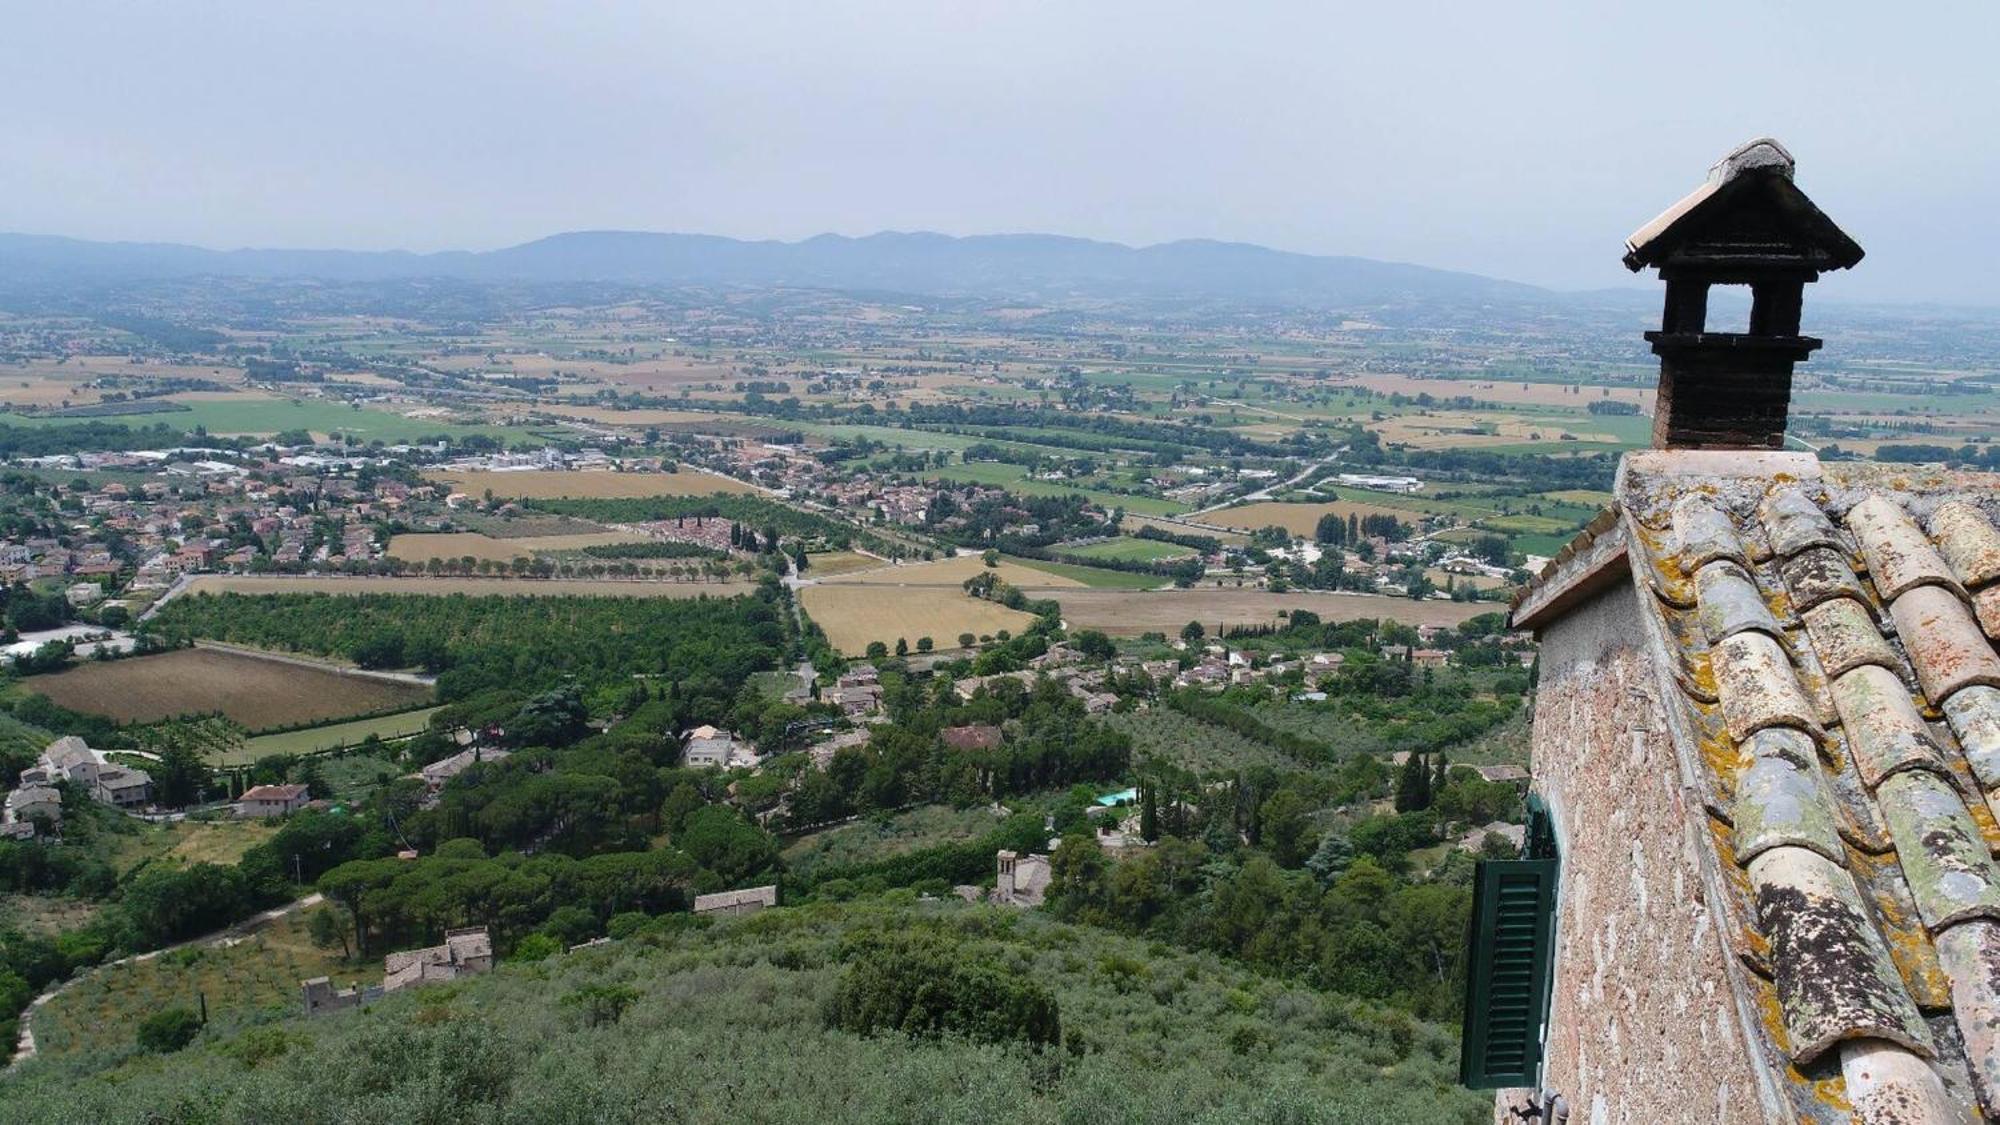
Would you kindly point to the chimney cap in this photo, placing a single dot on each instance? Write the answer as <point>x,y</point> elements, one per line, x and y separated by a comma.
<point>1746,217</point>
<point>1765,154</point>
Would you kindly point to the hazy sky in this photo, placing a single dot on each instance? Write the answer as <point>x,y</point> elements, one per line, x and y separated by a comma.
<point>1518,139</point>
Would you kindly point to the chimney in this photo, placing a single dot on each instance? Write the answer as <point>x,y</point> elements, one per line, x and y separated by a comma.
<point>1750,225</point>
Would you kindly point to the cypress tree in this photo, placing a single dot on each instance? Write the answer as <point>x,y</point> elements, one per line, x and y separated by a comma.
<point>1413,784</point>
<point>1149,814</point>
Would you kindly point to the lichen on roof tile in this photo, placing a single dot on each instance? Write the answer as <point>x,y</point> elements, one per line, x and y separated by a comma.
<point>1970,957</point>
<point>1835,978</point>
<point>1818,574</point>
<point>1728,602</point>
<point>1950,872</point>
<point>1944,641</point>
<point>1782,801</point>
<point>1844,636</point>
<point>1795,523</point>
<point>1704,533</point>
<point>1884,731</point>
<point>1758,687</point>
<point>1899,557</point>
<point>1986,610</point>
<point>1968,541</point>
<point>1974,715</point>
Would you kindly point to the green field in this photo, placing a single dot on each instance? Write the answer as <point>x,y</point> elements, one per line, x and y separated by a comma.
<point>271,415</point>
<point>1133,550</point>
<point>1014,478</point>
<point>1094,576</point>
<point>331,737</point>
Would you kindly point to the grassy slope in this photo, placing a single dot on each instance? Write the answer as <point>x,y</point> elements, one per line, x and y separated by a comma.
<point>726,1026</point>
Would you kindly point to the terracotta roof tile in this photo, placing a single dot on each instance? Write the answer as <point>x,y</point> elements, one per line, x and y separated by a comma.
<point>1782,799</point>
<point>1795,523</point>
<point>1870,881</point>
<point>1968,541</point>
<point>1835,978</point>
<point>1703,534</point>
<point>1986,609</point>
<point>1944,641</point>
<point>1899,557</point>
<point>1758,687</point>
<point>1884,731</point>
<point>1970,957</point>
<point>1729,602</point>
<point>1820,573</point>
<point>1950,872</point>
<point>1974,715</point>
<point>1844,635</point>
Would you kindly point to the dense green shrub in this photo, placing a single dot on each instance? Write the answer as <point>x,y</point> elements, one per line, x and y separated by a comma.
<point>928,989</point>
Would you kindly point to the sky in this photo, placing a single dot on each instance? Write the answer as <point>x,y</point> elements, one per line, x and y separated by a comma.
<point>1522,140</point>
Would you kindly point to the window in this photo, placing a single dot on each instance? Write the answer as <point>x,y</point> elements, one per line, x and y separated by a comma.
<point>1510,955</point>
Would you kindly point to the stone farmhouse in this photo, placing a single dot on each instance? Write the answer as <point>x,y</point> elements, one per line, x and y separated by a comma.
<point>1759,882</point>
<point>71,759</point>
<point>465,952</point>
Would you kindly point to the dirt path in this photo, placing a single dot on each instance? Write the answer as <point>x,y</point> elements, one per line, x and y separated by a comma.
<point>24,1047</point>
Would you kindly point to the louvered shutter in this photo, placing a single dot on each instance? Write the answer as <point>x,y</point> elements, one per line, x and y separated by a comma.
<point>1508,964</point>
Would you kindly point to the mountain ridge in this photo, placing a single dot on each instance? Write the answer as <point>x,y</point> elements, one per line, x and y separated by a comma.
<point>918,262</point>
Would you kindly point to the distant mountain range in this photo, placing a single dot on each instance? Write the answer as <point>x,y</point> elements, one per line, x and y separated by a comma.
<point>1003,266</point>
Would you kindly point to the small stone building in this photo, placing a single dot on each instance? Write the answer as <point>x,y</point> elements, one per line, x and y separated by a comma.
<point>465,952</point>
<point>749,900</point>
<point>1760,883</point>
<point>1021,880</point>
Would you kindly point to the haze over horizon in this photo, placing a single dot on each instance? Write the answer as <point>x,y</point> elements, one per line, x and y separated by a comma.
<point>1520,143</point>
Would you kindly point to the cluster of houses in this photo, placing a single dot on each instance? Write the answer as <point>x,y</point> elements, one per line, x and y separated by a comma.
<point>858,693</point>
<point>1062,664</point>
<point>37,801</point>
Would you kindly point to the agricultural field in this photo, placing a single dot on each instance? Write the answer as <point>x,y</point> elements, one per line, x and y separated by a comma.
<point>1130,613</point>
<point>1064,574</point>
<point>1190,744</point>
<point>222,840</point>
<point>833,564</point>
<point>856,613</point>
<point>1299,519</point>
<point>46,914</point>
<point>421,546</point>
<point>559,485</point>
<point>262,415</point>
<point>518,587</point>
<point>256,692</point>
<point>866,841</point>
<point>953,572</point>
<point>417,546</point>
<point>1132,550</point>
<point>1015,478</point>
<point>332,736</point>
<point>1134,523</point>
<point>259,974</point>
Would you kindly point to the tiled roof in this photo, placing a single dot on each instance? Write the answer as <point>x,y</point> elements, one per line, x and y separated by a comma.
<point>1830,631</point>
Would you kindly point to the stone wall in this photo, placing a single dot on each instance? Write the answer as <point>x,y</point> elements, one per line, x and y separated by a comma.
<point>1643,1026</point>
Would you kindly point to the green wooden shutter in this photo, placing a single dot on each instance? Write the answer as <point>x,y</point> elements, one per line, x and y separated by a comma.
<point>1509,958</point>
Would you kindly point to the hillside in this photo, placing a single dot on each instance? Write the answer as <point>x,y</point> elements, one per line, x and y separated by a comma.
<point>1015,266</point>
<point>727,1023</point>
